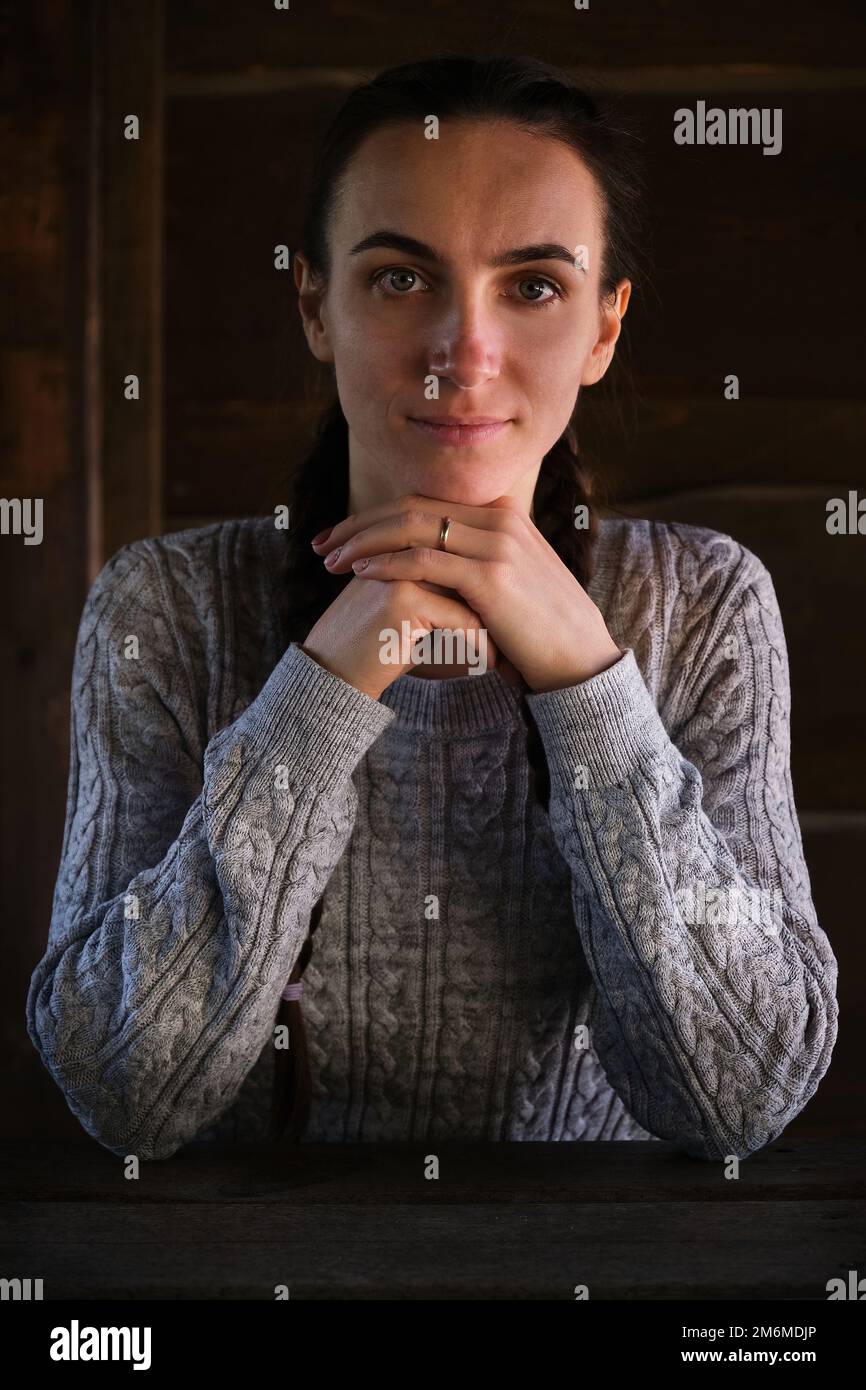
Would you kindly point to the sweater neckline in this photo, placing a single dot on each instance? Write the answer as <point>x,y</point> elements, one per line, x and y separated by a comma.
<point>456,705</point>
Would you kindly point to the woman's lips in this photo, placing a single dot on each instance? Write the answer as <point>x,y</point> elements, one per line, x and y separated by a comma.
<point>459,434</point>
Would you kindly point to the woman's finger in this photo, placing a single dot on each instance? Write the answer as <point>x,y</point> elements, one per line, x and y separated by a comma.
<point>431,508</point>
<point>394,533</point>
<point>439,567</point>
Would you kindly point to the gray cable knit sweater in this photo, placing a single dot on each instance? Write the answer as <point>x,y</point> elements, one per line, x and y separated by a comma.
<point>641,961</point>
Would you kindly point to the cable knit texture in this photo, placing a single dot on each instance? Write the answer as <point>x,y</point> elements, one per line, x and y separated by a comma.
<point>642,960</point>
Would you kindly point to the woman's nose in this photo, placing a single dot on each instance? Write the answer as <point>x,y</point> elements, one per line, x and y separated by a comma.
<point>466,345</point>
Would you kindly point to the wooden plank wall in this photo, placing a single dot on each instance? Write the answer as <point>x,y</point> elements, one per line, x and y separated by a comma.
<point>81,275</point>
<point>44,155</point>
<point>167,261</point>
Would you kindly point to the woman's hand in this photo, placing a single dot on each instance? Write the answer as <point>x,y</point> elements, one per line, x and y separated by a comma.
<point>499,565</point>
<point>348,638</point>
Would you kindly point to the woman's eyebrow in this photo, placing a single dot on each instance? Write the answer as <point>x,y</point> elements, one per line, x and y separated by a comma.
<point>396,241</point>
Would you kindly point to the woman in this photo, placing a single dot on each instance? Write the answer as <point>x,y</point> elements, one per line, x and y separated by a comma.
<point>558,896</point>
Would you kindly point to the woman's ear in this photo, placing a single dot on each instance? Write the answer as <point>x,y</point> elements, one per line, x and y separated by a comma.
<point>310,302</point>
<point>612,314</point>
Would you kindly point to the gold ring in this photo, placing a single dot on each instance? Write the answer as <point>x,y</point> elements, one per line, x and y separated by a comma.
<point>443,532</point>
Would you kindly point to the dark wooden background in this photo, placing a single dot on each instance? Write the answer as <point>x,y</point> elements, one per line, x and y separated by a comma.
<point>157,257</point>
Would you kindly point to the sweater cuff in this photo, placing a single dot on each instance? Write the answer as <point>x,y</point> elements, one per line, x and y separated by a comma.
<point>314,722</point>
<point>608,725</point>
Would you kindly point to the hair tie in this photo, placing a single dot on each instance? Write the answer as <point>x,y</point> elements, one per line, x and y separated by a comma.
<point>293,991</point>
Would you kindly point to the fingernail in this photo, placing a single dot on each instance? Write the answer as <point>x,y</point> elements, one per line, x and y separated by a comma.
<point>360,564</point>
<point>317,540</point>
<point>334,556</point>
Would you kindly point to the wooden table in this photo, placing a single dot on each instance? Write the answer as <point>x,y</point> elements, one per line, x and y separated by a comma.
<point>629,1220</point>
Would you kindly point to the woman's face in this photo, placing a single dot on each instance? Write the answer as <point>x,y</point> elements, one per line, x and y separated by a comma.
<point>510,342</point>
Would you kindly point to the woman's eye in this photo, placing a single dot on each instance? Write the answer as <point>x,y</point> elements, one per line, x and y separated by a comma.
<point>403,273</point>
<point>539,283</point>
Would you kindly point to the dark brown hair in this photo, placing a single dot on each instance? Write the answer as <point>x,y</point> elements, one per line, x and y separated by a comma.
<point>539,98</point>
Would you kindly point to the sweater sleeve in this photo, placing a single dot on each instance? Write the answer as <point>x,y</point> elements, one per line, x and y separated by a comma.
<point>715,1013</point>
<point>188,873</point>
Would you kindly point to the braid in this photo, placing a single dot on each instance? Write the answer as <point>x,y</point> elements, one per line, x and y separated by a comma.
<point>319,497</point>
<point>564,483</point>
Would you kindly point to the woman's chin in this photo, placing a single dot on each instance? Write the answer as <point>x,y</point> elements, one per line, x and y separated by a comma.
<point>462,481</point>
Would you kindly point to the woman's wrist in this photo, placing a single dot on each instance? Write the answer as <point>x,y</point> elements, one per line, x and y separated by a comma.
<point>592,663</point>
